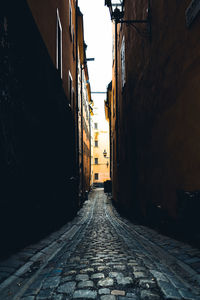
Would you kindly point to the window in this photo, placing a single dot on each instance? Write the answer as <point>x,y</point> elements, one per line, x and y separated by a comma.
<point>59,45</point>
<point>73,41</point>
<point>96,143</point>
<point>73,98</point>
<point>70,18</point>
<point>95,125</point>
<point>96,161</point>
<point>96,176</point>
<point>123,71</point>
<point>113,102</point>
<point>70,87</point>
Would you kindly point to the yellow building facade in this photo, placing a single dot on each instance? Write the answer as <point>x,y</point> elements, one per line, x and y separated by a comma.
<point>100,158</point>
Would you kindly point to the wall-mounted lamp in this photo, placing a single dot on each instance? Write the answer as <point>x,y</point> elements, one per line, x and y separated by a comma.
<point>116,8</point>
<point>86,60</point>
<point>104,153</point>
<point>90,59</point>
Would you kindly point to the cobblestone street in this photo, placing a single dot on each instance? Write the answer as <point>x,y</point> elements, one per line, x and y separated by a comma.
<point>100,255</point>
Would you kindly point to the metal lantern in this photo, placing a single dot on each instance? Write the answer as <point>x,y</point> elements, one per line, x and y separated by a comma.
<point>116,8</point>
<point>104,153</point>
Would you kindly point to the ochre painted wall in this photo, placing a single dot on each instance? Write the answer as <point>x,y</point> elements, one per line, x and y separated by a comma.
<point>100,134</point>
<point>103,166</point>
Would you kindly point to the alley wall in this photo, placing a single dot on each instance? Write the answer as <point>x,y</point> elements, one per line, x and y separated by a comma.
<point>39,132</point>
<point>159,124</point>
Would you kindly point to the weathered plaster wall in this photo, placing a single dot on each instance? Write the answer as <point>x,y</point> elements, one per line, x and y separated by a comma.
<point>159,107</point>
<point>45,15</point>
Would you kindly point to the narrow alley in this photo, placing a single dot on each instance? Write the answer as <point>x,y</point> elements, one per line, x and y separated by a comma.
<point>99,149</point>
<point>100,255</point>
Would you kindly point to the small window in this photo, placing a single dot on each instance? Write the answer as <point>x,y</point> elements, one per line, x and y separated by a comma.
<point>70,18</point>
<point>123,68</point>
<point>95,125</point>
<point>70,82</point>
<point>59,45</point>
<point>96,176</point>
<point>113,102</point>
<point>96,161</point>
<point>96,143</point>
<point>73,98</point>
<point>73,41</point>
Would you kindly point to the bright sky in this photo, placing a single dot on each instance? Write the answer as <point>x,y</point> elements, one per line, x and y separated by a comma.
<point>98,37</point>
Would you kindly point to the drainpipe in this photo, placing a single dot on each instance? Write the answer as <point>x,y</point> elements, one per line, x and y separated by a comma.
<point>76,108</point>
<point>90,148</point>
<point>82,164</point>
<point>116,96</point>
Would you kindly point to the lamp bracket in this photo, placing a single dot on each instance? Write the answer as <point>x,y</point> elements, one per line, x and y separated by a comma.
<point>132,22</point>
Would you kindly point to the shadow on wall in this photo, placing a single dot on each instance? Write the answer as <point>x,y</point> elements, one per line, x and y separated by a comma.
<point>186,226</point>
<point>36,129</point>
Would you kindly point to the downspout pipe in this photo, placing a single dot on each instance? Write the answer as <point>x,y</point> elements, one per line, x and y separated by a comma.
<point>82,156</point>
<point>76,106</point>
<point>116,96</point>
<point>90,170</point>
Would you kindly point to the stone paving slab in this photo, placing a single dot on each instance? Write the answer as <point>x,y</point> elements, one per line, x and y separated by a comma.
<point>102,256</point>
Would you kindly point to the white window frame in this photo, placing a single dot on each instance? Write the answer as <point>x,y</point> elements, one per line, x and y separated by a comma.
<point>70,88</point>
<point>73,42</point>
<point>58,28</point>
<point>123,62</point>
<point>70,19</point>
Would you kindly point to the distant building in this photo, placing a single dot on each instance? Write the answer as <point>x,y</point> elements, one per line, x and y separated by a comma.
<point>108,115</point>
<point>101,149</point>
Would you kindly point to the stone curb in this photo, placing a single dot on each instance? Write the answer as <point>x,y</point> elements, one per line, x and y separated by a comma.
<point>186,268</point>
<point>46,252</point>
<point>52,248</point>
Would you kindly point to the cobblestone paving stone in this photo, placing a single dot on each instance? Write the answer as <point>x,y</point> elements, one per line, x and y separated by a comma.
<point>103,256</point>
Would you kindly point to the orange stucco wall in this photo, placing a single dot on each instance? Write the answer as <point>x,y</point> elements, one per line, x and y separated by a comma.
<point>100,134</point>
